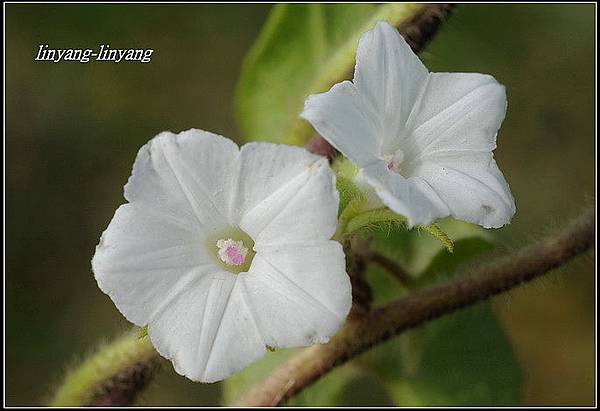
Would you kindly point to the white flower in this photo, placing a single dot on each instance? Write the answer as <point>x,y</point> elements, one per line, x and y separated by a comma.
<point>224,252</point>
<point>422,140</point>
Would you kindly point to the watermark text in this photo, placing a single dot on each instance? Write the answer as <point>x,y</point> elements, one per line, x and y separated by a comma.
<point>104,53</point>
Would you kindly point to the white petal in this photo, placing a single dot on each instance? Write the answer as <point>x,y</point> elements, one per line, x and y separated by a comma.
<point>286,193</point>
<point>343,118</point>
<point>144,258</point>
<point>472,187</point>
<point>209,332</point>
<point>366,119</point>
<point>188,175</point>
<point>299,293</point>
<point>458,112</point>
<point>389,77</point>
<point>413,197</point>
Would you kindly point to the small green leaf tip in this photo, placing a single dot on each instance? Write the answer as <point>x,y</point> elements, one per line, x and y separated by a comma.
<point>438,233</point>
<point>143,332</point>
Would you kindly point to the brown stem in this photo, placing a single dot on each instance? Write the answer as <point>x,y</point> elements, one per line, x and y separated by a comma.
<point>123,389</point>
<point>361,248</point>
<point>392,268</point>
<point>423,26</point>
<point>392,319</point>
<point>362,295</point>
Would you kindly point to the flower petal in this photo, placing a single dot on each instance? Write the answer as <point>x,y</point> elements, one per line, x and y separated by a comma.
<point>144,258</point>
<point>457,112</point>
<point>299,293</point>
<point>413,197</point>
<point>472,187</point>
<point>389,76</point>
<point>346,122</point>
<point>208,332</point>
<point>286,193</point>
<point>187,175</point>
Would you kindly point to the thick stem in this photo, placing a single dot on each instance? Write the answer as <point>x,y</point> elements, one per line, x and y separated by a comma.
<point>113,376</point>
<point>392,319</point>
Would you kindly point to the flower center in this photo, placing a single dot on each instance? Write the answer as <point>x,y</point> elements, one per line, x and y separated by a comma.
<point>232,249</point>
<point>231,252</point>
<point>393,161</point>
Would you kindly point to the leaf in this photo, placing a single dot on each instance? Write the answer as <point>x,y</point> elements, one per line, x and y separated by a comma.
<point>423,257</point>
<point>364,390</point>
<point>445,265</point>
<point>303,49</point>
<point>467,360</point>
<point>426,248</point>
<point>331,389</point>
<point>461,359</point>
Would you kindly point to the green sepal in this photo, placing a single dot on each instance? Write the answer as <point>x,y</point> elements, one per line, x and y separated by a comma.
<point>143,332</point>
<point>386,219</point>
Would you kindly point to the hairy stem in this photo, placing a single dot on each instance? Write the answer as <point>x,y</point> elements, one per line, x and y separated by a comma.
<point>113,376</point>
<point>380,324</point>
<point>362,295</point>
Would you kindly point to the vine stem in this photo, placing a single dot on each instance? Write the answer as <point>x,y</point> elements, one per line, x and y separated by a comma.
<point>112,376</point>
<point>378,325</point>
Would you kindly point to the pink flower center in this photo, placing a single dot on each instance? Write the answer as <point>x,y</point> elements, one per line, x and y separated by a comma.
<point>232,252</point>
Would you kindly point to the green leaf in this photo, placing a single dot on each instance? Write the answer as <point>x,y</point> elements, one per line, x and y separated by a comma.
<point>461,359</point>
<point>303,49</point>
<point>331,390</point>
<point>425,248</point>
<point>445,265</point>
<point>424,257</point>
<point>363,390</point>
<point>466,360</point>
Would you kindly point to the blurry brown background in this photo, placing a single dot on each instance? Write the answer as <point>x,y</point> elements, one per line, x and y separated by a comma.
<point>72,132</point>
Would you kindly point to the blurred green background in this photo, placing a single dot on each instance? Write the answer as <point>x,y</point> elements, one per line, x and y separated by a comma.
<point>72,132</point>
